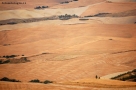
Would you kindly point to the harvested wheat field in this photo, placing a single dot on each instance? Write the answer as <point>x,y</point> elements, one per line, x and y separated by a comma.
<point>69,45</point>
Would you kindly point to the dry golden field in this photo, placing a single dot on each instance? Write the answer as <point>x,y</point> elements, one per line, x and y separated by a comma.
<point>101,41</point>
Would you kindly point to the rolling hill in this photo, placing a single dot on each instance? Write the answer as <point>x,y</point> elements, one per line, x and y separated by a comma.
<point>100,41</point>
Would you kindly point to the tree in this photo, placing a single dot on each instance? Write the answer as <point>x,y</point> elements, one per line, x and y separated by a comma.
<point>35,80</point>
<point>96,76</point>
<point>47,81</point>
<point>10,80</point>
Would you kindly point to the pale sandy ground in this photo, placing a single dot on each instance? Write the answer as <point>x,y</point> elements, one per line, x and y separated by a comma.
<point>91,20</point>
<point>29,4</point>
<point>51,3</point>
<point>79,86</point>
<point>23,14</point>
<point>113,75</point>
<point>109,8</point>
<point>80,3</point>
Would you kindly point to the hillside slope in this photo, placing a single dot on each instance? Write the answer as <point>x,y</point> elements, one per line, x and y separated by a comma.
<point>84,47</point>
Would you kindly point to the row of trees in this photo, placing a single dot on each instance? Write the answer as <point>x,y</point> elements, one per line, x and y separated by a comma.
<point>34,81</point>
<point>38,81</point>
<point>66,16</point>
<point>120,75</point>
<point>131,75</point>
<point>11,56</point>
<point>41,7</point>
<point>9,80</point>
<point>4,62</point>
<point>68,1</point>
<point>128,78</point>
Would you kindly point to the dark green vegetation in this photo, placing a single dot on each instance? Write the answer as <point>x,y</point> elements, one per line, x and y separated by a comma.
<point>13,59</point>
<point>6,44</point>
<point>4,62</point>
<point>47,81</point>
<point>38,81</point>
<point>9,80</point>
<point>65,2</point>
<point>83,19</point>
<point>98,15</point>
<point>120,14</point>
<point>66,17</point>
<point>129,76</point>
<point>41,7</point>
<point>35,81</point>
<point>17,21</point>
<point>10,56</point>
<point>124,51</point>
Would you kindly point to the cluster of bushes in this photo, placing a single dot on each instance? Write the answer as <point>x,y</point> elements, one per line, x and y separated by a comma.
<point>109,1</point>
<point>41,7</point>
<point>84,19</point>
<point>9,80</point>
<point>11,59</point>
<point>124,51</point>
<point>6,44</point>
<point>126,76</point>
<point>38,81</point>
<point>12,23</point>
<point>34,81</point>
<point>16,21</point>
<point>10,56</point>
<point>98,15</point>
<point>4,62</point>
<point>67,1</point>
<point>120,75</point>
<point>66,17</point>
<point>134,70</point>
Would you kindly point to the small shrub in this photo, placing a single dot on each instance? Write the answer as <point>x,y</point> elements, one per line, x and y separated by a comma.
<point>96,77</point>
<point>7,61</point>
<point>10,80</point>
<point>134,70</point>
<point>45,53</point>
<point>45,6</point>
<point>4,62</point>
<point>35,81</point>
<point>47,81</point>
<point>4,56</point>
<point>4,79</point>
<point>9,56</point>
<point>134,80</point>
<point>0,61</point>
<point>11,23</point>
